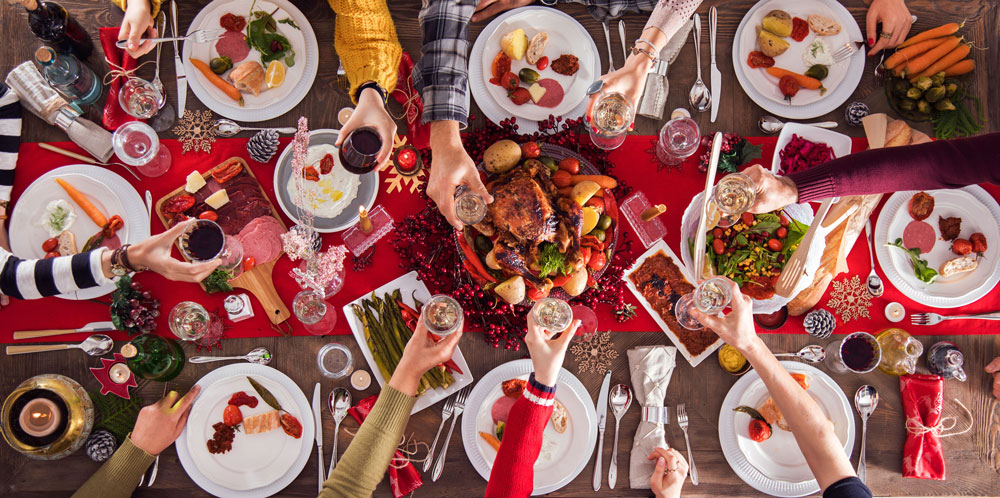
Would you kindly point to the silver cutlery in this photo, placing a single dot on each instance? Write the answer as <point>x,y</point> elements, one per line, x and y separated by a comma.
<point>602,418</point>
<point>197,36</point>
<point>846,51</point>
<point>157,83</point>
<point>607,38</point>
<point>934,318</point>
<point>95,345</point>
<point>260,356</point>
<point>446,411</point>
<point>874,282</point>
<point>81,157</point>
<point>178,65</point>
<point>595,87</point>
<point>713,24</point>
<point>460,398</point>
<point>90,327</point>
<point>149,207</point>
<point>318,419</point>
<point>699,97</point>
<point>771,124</point>
<point>621,35</point>
<point>865,401</point>
<point>682,420</point>
<point>340,401</point>
<point>227,128</point>
<point>880,70</point>
<point>811,354</point>
<point>620,400</point>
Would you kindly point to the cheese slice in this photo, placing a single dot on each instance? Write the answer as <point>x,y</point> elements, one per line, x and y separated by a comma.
<point>536,92</point>
<point>218,199</point>
<point>194,182</point>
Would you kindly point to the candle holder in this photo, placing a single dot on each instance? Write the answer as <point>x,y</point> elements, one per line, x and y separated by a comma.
<point>76,417</point>
<point>647,231</point>
<point>359,241</point>
<point>115,376</point>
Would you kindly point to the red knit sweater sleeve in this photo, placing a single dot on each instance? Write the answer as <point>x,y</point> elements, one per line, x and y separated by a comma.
<point>513,473</point>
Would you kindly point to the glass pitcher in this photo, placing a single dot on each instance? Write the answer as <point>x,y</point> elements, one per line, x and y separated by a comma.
<point>900,352</point>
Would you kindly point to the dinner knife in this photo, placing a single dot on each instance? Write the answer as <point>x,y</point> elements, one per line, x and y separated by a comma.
<point>178,65</point>
<point>317,412</point>
<point>90,327</point>
<point>602,417</point>
<point>698,271</point>
<point>716,88</point>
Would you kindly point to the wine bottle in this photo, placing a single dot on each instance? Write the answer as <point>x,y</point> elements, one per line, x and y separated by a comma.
<point>153,357</point>
<point>68,75</point>
<point>51,23</point>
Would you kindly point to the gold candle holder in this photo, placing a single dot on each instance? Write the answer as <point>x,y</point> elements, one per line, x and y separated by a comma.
<point>71,433</point>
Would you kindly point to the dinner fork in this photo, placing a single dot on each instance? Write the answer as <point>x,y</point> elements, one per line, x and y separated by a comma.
<point>880,71</point>
<point>197,36</point>
<point>934,318</point>
<point>846,51</point>
<point>449,408</point>
<point>607,38</point>
<point>682,420</point>
<point>459,408</point>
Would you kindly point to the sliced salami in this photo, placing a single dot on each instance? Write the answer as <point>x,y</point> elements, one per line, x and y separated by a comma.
<point>233,45</point>
<point>553,93</point>
<point>263,235</point>
<point>919,235</point>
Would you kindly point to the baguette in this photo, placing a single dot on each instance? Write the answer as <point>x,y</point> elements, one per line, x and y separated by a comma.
<point>958,265</point>
<point>536,47</point>
<point>67,244</point>
<point>823,26</point>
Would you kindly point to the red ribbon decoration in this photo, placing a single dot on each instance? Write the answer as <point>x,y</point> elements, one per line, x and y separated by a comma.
<point>114,116</point>
<point>403,481</point>
<point>923,402</point>
<point>413,107</point>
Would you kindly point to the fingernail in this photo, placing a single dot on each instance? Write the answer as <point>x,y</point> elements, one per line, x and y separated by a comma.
<point>587,117</point>
<point>661,461</point>
<point>871,41</point>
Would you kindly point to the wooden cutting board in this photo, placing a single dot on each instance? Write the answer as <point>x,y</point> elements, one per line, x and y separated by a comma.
<point>258,280</point>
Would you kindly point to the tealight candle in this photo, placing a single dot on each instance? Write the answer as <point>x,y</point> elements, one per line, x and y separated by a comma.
<point>119,373</point>
<point>365,223</point>
<point>406,162</point>
<point>40,417</point>
<point>894,312</point>
<point>344,115</point>
<point>361,380</point>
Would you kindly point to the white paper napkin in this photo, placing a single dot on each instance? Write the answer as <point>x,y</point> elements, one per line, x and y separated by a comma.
<point>650,368</point>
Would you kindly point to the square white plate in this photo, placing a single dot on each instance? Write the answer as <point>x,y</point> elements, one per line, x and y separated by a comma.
<point>840,143</point>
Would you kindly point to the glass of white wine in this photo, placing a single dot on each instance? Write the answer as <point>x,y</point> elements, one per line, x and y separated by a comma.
<point>731,197</point>
<point>554,315</point>
<point>470,206</point>
<point>613,115</point>
<point>710,297</point>
<point>442,315</point>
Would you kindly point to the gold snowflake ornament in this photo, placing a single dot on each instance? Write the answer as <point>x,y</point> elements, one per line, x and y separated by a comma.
<point>195,131</point>
<point>850,299</point>
<point>595,355</point>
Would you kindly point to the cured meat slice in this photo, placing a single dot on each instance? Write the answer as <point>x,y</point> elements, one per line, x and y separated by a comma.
<point>233,45</point>
<point>919,235</point>
<point>261,239</point>
<point>262,423</point>
<point>501,409</point>
<point>553,93</point>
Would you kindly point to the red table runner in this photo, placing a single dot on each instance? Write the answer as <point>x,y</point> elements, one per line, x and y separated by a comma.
<point>675,188</point>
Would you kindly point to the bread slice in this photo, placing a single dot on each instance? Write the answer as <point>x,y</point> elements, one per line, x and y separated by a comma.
<point>248,77</point>
<point>536,47</point>
<point>823,26</point>
<point>958,265</point>
<point>560,418</point>
<point>67,243</point>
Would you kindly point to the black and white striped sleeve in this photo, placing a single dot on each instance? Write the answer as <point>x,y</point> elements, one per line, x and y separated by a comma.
<point>35,278</point>
<point>10,137</point>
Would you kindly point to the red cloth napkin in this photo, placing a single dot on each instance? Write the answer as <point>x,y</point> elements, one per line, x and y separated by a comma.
<point>923,400</point>
<point>114,116</point>
<point>402,481</point>
<point>413,107</point>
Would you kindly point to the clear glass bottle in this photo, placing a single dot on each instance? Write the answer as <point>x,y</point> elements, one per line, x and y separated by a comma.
<point>69,76</point>
<point>900,352</point>
<point>946,360</point>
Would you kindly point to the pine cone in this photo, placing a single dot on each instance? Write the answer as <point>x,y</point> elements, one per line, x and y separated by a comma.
<point>263,145</point>
<point>855,112</point>
<point>819,323</point>
<point>101,445</point>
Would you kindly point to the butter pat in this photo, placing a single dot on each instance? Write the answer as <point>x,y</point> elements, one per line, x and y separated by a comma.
<point>194,182</point>
<point>218,199</point>
<point>536,92</point>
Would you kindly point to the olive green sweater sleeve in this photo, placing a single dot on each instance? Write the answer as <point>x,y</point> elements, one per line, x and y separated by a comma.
<point>119,476</point>
<point>367,458</point>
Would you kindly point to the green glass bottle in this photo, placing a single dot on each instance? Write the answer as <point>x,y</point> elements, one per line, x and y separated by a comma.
<point>153,357</point>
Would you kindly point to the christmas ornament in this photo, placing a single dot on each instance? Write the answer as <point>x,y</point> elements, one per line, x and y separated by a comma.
<point>114,376</point>
<point>855,112</point>
<point>263,145</point>
<point>195,131</point>
<point>595,355</point>
<point>395,179</point>
<point>819,323</point>
<point>101,445</point>
<point>736,151</point>
<point>850,299</point>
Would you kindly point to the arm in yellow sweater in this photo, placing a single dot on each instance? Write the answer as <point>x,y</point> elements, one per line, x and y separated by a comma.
<point>367,458</point>
<point>365,39</point>
<point>119,476</point>
<point>153,11</point>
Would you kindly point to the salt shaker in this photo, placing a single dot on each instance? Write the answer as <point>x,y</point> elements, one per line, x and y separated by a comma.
<point>946,360</point>
<point>238,307</point>
<point>654,98</point>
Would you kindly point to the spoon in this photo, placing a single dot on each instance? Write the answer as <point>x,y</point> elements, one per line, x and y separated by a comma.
<point>260,356</point>
<point>771,124</point>
<point>340,401</point>
<point>95,345</point>
<point>875,287</point>
<point>595,87</point>
<point>812,354</point>
<point>620,400</point>
<point>700,98</point>
<point>865,402</point>
<point>227,128</point>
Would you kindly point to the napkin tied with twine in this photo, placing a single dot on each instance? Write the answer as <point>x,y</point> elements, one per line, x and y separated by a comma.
<point>650,368</point>
<point>923,404</point>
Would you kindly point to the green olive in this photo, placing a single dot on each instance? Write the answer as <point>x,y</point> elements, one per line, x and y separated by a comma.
<point>528,75</point>
<point>604,222</point>
<point>597,232</point>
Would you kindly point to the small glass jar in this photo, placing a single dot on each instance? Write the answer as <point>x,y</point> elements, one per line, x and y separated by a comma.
<point>335,361</point>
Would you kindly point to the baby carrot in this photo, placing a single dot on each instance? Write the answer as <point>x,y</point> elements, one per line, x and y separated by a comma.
<point>602,180</point>
<point>805,81</point>
<point>944,30</point>
<point>945,62</point>
<point>219,83</point>
<point>87,207</point>
<point>918,64</point>
<point>962,67</point>
<point>490,438</point>
<point>905,54</point>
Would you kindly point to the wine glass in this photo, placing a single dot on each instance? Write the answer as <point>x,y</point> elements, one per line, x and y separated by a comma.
<point>859,352</point>
<point>189,321</point>
<point>136,144</point>
<point>710,297</point>
<point>470,206</point>
<point>140,99</point>
<point>359,152</point>
<point>204,240</point>
<point>613,115</point>
<point>442,315</point>
<point>679,139</point>
<point>554,315</point>
<point>317,317</point>
<point>731,197</point>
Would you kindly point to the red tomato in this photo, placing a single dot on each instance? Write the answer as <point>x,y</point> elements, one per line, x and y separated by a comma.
<point>586,252</point>
<point>248,263</point>
<point>232,416</point>
<point>783,219</point>
<point>775,245</point>
<point>542,63</point>
<point>757,59</point>
<point>588,319</point>
<point>52,254</point>
<point>718,246</point>
<point>326,164</point>
<point>208,215</point>
<point>310,173</point>
<point>800,29</point>
<point>291,425</point>
<point>597,261</point>
<point>570,164</point>
<point>789,86</point>
<point>509,81</point>
<point>596,203</point>
<point>717,232</point>
<point>519,95</point>
<point>50,245</point>
<point>782,232</point>
<point>561,178</point>
<point>535,294</point>
<point>501,65</point>
<point>530,150</point>
<point>747,219</point>
<point>759,430</point>
<point>560,280</point>
<point>978,242</point>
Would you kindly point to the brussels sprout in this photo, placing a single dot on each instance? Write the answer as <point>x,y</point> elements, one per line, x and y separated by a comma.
<point>818,71</point>
<point>938,79</point>
<point>923,107</point>
<point>950,89</point>
<point>220,65</point>
<point>944,105</point>
<point>907,104</point>
<point>935,94</point>
<point>914,93</point>
<point>923,83</point>
<point>900,87</point>
<point>528,75</point>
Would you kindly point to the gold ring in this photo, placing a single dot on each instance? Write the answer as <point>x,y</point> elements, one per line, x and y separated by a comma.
<point>885,35</point>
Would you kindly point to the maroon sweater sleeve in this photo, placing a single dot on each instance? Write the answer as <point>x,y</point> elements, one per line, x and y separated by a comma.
<point>933,165</point>
<point>513,473</point>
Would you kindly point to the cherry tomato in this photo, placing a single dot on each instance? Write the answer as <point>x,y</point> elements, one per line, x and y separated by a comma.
<point>519,95</point>
<point>757,59</point>
<point>783,219</point>
<point>232,416</point>
<point>291,425</point>
<point>542,63</point>
<point>570,164</point>
<point>208,215</point>
<point>759,430</point>
<point>747,219</point>
<point>597,261</point>
<point>50,245</point>
<point>52,254</point>
<point>561,178</point>
<point>509,81</point>
<point>597,203</point>
<point>789,86</point>
<point>535,294</point>
<point>326,164</point>
<point>530,150</point>
<point>718,246</point>
<point>248,263</point>
<point>717,232</point>
<point>782,232</point>
<point>775,245</point>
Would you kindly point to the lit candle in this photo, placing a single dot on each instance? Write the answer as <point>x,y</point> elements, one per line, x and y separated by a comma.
<point>344,115</point>
<point>406,161</point>
<point>365,224</point>
<point>653,212</point>
<point>119,373</point>
<point>894,312</point>
<point>40,417</point>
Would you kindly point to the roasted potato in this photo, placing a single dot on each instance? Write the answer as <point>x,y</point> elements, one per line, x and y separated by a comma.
<point>577,283</point>
<point>512,290</point>
<point>771,44</point>
<point>777,22</point>
<point>502,156</point>
<point>491,260</point>
<point>583,191</point>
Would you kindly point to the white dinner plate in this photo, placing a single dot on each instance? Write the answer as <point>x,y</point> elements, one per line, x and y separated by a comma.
<point>272,102</point>
<point>406,285</point>
<point>563,456</point>
<point>367,191</point>
<point>776,466</point>
<point>762,88</point>
<point>566,36</point>
<point>979,212</point>
<point>259,465</point>
<point>109,192</point>
<point>840,143</point>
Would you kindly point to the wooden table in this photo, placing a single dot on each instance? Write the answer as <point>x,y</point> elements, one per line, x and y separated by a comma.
<point>973,459</point>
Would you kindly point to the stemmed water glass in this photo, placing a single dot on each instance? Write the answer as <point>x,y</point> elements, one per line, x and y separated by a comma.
<point>442,315</point>
<point>140,99</point>
<point>710,297</point>
<point>189,321</point>
<point>136,144</point>
<point>612,117</point>
<point>679,140</point>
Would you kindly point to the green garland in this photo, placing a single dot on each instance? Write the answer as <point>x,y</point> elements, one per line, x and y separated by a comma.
<point>115,414</point>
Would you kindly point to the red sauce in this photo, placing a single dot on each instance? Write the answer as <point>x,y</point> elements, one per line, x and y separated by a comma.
<point>800,29</point>
<point>233,22</point>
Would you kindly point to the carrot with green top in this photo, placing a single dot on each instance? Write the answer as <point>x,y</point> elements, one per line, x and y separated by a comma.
<point>905,54</point>
<point>804,81</point>
<point>89,208</point>
<point>945,62</point>
<point>943,30</point>
<point>918,64</point>
<point>219,83</point>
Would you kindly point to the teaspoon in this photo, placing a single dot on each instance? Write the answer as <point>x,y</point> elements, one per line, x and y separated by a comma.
<point>865,401</point>
<point>811,354</point>
<point>340,401</point>
<point>260,356</point>
<point>95,345</point>
<point>620,400</point>
<point>874,282</point>
<point>700,98</point>
<point>227,128</point>
<point>771,124</point>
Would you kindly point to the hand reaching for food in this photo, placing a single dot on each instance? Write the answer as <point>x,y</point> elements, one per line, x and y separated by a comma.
<point>420,355</point>
<point>547,353</point>
<point>736,328</point>
<point>154,254</point>
<point>451,167</point>
<point>994,368</point>
<point>669,474</point>
<point>160,423</point>
<point>371,112</point>
<point>772,192</point>
<point>895,19</point>
<point>486,9</point>
<point>138,21</point>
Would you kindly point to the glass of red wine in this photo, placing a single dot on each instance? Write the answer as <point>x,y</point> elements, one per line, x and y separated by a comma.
<point>359,151</point>
<point>204,240</point>
<point>859,352</point>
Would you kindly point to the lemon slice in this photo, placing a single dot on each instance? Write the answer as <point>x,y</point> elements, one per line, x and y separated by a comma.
<point>275,74</point>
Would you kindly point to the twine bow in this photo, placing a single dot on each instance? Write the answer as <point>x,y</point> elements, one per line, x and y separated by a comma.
<point>120,72</point>
<point>917,428</point>
<point>410,109</point>
<point>408,446</point>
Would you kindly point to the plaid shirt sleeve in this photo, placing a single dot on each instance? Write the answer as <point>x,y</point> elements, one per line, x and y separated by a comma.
<point>442,74</point>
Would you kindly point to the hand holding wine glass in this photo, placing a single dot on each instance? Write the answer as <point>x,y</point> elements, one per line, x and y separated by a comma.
<point>547,353</point>
<point>138,21</point>
<point>736,328</point>
<point>420,354</point>
<point>154,254</point>
<point>772,192</point>
<point>369,118</point>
